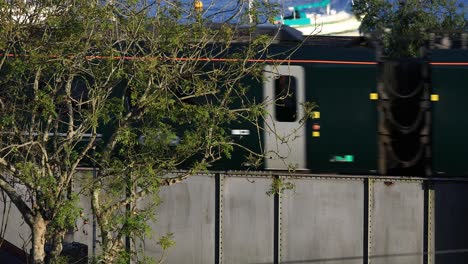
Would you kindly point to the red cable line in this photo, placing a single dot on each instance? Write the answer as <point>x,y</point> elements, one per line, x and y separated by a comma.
<point>342,62</point>
<point>449,63</point>
<point>224,60</point>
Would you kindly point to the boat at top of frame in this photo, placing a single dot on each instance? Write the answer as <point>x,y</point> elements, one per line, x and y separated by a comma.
<point>322,17</point>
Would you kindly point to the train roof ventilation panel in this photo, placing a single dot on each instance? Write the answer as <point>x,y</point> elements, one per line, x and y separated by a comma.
<point>280,33</point>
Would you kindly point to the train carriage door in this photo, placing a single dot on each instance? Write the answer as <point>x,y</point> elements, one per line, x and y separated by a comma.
<point>284,92</point>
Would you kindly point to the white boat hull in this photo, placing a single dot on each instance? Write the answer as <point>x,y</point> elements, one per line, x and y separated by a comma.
<point>339,24</point>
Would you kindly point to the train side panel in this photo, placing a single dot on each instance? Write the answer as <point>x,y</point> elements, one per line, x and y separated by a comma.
<point>449,109</point>
<point>343,139</point>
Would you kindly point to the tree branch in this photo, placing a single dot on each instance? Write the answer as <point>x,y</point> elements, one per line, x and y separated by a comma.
<point>18,200</point>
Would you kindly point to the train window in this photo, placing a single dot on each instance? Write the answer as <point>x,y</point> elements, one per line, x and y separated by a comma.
<point>285,99</point>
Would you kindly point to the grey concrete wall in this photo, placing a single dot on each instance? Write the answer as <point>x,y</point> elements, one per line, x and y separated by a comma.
<point>187,211</point>
<point>84,224</point>
<point>17,232</point>
<point>322,222</point>
<point>451,223</point>
<point>397,222</point>
<point>247,220</point>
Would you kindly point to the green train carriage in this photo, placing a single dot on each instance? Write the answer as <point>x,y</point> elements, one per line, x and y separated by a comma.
<point>336,73</point>
<point>343,76</point>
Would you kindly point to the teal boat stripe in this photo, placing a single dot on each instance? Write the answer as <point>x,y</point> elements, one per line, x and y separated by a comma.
<point>328,23</point>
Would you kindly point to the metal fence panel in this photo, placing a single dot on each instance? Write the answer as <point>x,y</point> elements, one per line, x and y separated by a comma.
<point>397,222</point>
<point>247,220</point>
<point>325,220</point>
<point>322,222</point>
<point>17,232</point>
<point>451,218</point>
<point>187,211</point>
<point>86,227</point>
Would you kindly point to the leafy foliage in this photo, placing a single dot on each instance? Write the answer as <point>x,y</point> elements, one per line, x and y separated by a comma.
<point>403,26</point>
<point>166,241</point>
<point>133,88</point>
<point>278,186</point>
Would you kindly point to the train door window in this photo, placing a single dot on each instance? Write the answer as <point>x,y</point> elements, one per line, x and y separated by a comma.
<point>285,98</point>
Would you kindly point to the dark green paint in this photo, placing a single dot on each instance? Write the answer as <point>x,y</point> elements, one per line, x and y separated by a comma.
<point>348,123</point>
<point>348,119</point>
<point>450,125</point>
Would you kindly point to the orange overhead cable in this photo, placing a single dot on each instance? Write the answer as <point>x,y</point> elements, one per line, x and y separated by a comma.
<point>449,63</point>
<point>305,61</point>
<point>92,57</point>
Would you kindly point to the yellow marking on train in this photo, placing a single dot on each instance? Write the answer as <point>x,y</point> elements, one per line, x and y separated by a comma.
<point>434,97</point>
<point>374,96</point>
<point>316,134</point>
<point>315,115</point>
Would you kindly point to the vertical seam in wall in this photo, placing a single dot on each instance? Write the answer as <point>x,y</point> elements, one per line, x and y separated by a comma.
<point>365,220</point>
<point>276,226</point>
<point>217,218</point>
<point>430,224</point>
<point>280,228</point>
<point>128,208</point>
<point>94,216</point>
<point>370,191</point>
<point>220,222</point>
<point>426,220</point>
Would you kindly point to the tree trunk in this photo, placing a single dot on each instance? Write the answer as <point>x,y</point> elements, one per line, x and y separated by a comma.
<point>39,229</point>
<point>57,246</point>
<point>111,254</point>
<point>110,248</point>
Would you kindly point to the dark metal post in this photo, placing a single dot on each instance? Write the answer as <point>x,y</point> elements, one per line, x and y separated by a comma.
<point>217,254</point>
<point>428,247</point>
<point>276,226</point>
<point>365,243</point>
